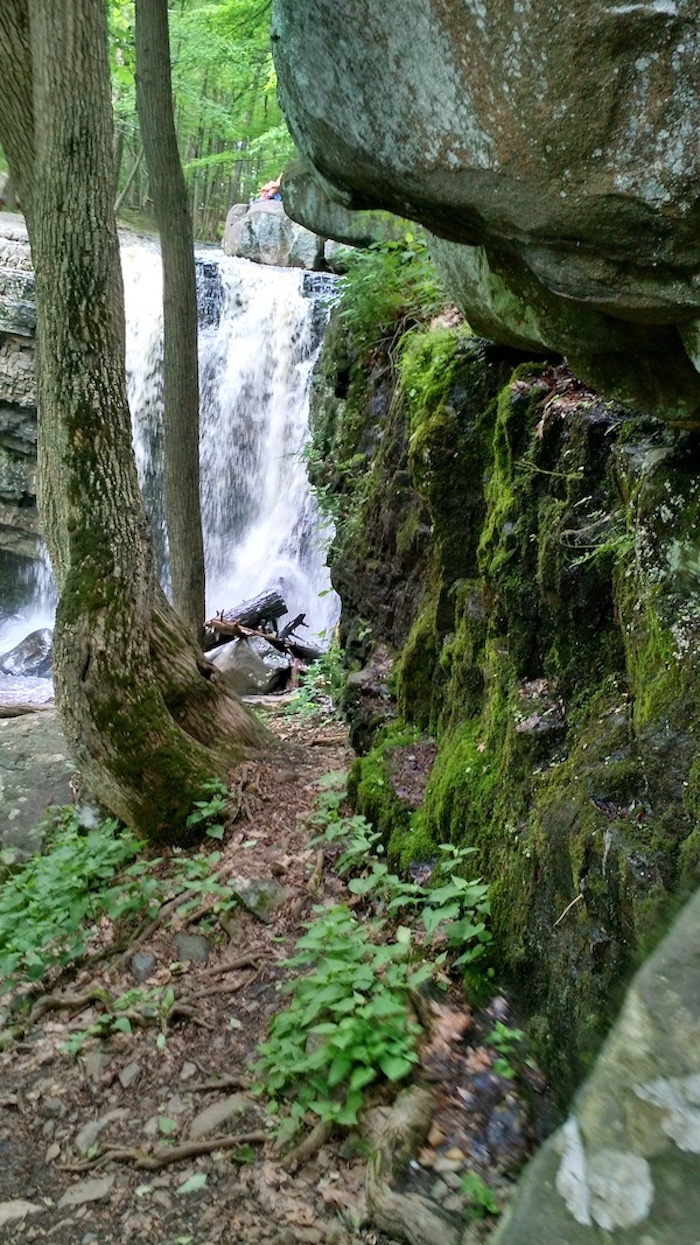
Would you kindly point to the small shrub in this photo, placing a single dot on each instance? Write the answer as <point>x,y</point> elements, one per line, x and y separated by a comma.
<point>348,1022</point>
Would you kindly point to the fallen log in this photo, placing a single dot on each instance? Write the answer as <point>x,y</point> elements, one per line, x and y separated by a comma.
<point>236,631</point>
<point>265,608</point>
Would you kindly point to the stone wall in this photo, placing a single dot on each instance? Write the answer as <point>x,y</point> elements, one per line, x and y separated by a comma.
<point>517,558</point>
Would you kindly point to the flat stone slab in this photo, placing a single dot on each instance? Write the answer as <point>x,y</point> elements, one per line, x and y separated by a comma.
<point>35,771</point>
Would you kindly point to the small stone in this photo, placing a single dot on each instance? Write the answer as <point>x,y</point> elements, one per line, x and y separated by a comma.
<point>458,1155</point>
<point>51,1108</point>
<point>142,965</point>
<point>161,1198</point>
<point>17,1209</point>
<point>444,1164</point>
<point>435,1137</point>
<point>90,1132</point>
<point>193,947</point>
<point>452,1180</point>
<point>175,1105</point>
<point>151,1127</point>
<point>187,1071</point>
<point>87,1191</point>
<point>53,1152</point>
<point>439,1191</point>
<point>259,896</point>
<point>95,1063</point>
<point>216,1114</point>
<point>48,1129</point>
<point>129,1075</point>
<point>454,1203</point>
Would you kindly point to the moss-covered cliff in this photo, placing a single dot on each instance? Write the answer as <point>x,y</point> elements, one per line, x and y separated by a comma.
<point>519,568</point>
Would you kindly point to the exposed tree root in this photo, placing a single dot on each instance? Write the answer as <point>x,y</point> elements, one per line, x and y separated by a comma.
<point>310,1145</point>
<point>162,1157</point>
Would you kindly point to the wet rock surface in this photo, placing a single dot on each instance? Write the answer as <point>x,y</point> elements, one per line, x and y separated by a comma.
<point>35,773</point>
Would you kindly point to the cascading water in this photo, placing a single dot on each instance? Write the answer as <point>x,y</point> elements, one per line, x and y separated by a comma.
<point>259,334</point>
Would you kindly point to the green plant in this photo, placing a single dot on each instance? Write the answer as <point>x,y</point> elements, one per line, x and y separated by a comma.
<point>507,1042</point>
<point>322,685</point>
<point>45,904</point>
<point>483,1198</point>
<point>453,909</point>
<point>50,904</point>
<point>387,283</point>
<point>348,1021</point>
<point>206,812</point>
<point>145,1005</point>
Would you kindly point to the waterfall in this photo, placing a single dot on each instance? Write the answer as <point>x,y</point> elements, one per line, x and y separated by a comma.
<point>260,331</point>
<point>259,335</point>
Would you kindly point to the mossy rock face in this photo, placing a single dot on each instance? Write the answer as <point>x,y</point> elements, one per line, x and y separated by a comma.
<point>550,650</point>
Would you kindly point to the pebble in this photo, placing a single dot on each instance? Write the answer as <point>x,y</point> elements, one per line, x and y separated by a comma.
<point>95,1063</point>
<point>86,1191</point>
<point>187,1071</point>
<point>439,1191</point>
<point>18,1208</point>
<point>216,1114</point>
<point>90,1132</point>
<point>454,1203</point>
<point>444,1164</point>
<point>51,1108</point>
<point>193,947</point>
<point>129,1075</point>
<point>53,1152</point>
<point>142,965</point>
<point>452,1180</point>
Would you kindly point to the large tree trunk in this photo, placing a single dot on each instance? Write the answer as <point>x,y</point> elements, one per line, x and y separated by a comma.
<point>180,365</point>
<point>147,724</point>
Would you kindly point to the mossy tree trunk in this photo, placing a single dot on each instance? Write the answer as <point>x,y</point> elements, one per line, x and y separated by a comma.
<point>180,366</point>
<point>147,724</point>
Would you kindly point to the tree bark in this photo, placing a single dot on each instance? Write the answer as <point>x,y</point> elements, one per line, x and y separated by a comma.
<point>180,363</point>
<point>143,716</point>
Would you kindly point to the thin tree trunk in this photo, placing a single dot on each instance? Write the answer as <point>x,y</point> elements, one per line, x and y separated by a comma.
<point>129,182</point>
<point>180,365</point>
<point>144,719</point>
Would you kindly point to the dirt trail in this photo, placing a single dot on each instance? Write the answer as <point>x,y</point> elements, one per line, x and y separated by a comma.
<point>86,1142</point>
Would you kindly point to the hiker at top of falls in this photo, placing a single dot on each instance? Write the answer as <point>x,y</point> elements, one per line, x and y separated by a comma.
<point>271,190</point>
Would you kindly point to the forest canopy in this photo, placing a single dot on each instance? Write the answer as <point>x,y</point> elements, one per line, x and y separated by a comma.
<point>231,132</point>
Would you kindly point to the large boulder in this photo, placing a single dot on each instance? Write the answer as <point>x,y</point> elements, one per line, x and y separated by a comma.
<point>561,140</point>
<point>263,232</point>
<point>628,1158</point>
<point>251,667</point>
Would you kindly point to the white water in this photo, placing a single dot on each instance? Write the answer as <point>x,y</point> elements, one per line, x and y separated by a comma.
<point>258,340</point>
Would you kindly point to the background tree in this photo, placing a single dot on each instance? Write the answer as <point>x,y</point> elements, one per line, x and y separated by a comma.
<point>146,722</point>
<point>180,361</point>
<point>231,132</point>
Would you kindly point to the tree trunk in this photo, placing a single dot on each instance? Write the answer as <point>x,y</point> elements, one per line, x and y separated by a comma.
<point>144,718</point>
<point>180,365</point>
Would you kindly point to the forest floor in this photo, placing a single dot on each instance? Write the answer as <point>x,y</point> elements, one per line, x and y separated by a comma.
<point>156,1137</point>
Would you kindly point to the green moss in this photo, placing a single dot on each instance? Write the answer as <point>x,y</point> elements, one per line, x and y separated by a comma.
<point>370,786</point>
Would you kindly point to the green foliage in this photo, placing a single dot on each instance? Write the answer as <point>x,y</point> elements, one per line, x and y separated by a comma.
<point>507,1042</point>
<point>322,686</point>
<point>387,284</point>
<point>49,905</point>
<point>45,904</point>
<point>452,908</point>
<point>231,132</point>
<point>483,1199</point>
<point>152,1004</point>
<point>205,814</point>
<point>348,1020</point>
